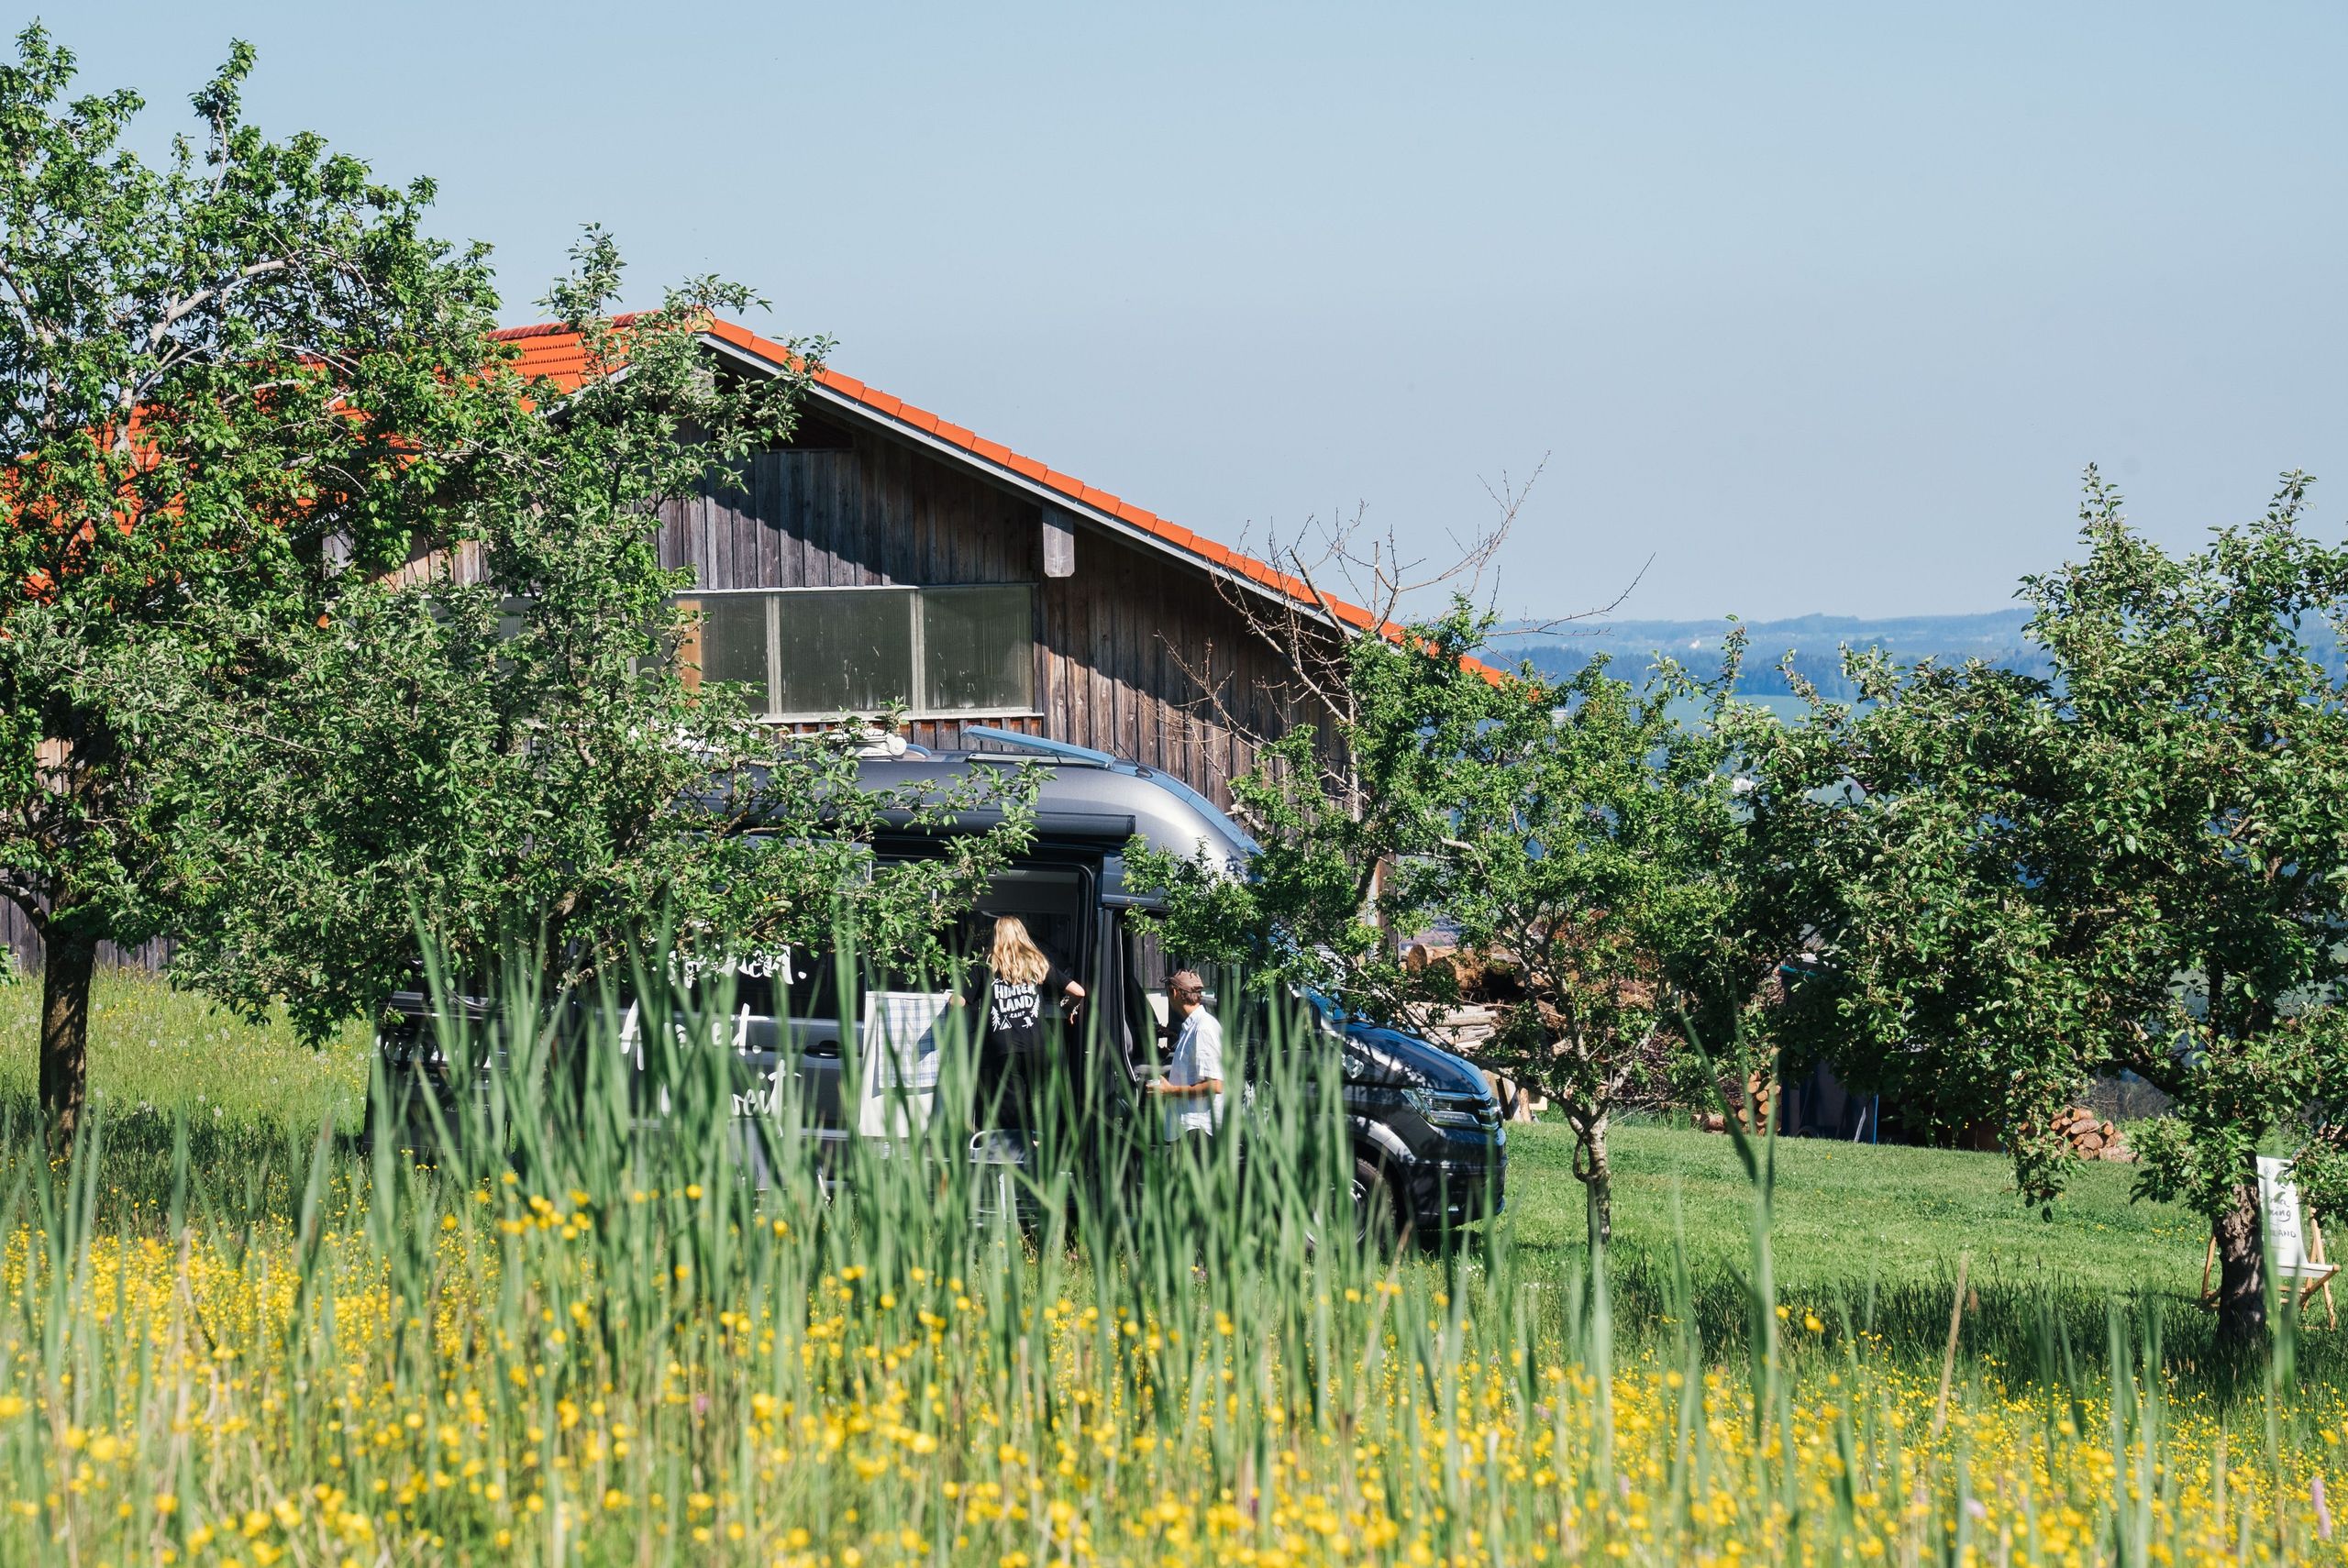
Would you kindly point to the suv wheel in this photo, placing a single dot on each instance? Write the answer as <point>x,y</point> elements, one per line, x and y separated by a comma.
<point>1378,1219</point>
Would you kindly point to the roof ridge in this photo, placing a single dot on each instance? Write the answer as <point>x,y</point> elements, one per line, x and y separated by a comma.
<point>551,328</point>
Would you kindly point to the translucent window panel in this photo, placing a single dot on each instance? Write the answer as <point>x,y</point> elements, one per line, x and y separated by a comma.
<point>844,651</point>
<point>734,644</point>
<point>513,617</point>
<point>978,649</point>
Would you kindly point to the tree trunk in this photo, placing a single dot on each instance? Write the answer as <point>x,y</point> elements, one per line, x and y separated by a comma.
<point>69,957</point>
<point>2242,1269</point>
<point>1598,1181</point>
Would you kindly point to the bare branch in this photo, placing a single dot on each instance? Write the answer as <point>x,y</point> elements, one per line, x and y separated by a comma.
<point>1558,624</point>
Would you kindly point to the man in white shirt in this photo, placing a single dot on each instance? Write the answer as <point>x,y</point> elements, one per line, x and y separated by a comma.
<point>1191,1090</point>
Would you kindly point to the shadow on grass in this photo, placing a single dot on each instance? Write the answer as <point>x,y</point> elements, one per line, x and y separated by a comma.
<point>2022,1333</point>
<point>236,1168</point>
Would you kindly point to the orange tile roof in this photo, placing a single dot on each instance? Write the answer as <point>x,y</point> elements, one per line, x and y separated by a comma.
<point>552,350</point>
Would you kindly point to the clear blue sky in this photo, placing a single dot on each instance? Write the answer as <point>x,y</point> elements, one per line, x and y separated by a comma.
<point>1825,306</point>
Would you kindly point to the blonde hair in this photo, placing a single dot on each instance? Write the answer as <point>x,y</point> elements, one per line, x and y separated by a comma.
<point>1016,958</point>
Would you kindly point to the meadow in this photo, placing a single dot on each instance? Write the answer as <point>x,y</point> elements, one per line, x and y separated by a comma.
<point>239,1333</point>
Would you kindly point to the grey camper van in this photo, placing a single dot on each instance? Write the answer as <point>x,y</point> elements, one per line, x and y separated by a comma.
<point>1429,1151</point>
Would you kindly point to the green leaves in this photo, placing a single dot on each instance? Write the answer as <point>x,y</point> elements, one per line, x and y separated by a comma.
<point>1579,834</point>
<point>230,379</point>
<point>316,619</point>
<point>513,758</point>
<point>236,383</point>
<point>2020,885</point>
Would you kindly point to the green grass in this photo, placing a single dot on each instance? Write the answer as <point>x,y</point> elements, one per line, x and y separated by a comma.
<point>1876,1231</point>
<point>253,1096</point>
<point>1847,1216</point>
<point>577,1334</point>
<point>1847,1213</point>
<point>155,1051</point>
<point>1873,1236</point>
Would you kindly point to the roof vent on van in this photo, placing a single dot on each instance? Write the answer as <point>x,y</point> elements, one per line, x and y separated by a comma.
<point>889,745</point>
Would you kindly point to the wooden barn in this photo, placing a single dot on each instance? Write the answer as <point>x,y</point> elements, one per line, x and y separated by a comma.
<point>886,555</point>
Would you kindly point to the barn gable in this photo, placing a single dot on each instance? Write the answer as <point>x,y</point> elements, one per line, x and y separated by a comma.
<point>887,551</point>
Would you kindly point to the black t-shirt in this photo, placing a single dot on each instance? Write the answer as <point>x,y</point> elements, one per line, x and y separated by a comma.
<point>1017,1014</point>
<point>1020,1022</point>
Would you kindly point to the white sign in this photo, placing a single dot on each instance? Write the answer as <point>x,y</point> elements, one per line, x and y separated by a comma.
<point>2278,1195</point>
<point>900,1048</point>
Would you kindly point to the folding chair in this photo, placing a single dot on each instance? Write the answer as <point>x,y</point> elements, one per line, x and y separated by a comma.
<point>2295,1259</point>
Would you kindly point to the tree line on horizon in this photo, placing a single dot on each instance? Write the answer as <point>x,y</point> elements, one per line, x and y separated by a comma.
<point>1811,648</point>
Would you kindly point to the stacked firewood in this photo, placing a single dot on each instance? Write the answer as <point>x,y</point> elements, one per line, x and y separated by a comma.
<point>1492,990</point>
<point>2092,1139</point>
<point>1486,985</point>
<point>1759,1090</point>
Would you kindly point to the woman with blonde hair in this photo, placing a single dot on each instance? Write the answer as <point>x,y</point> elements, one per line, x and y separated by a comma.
<point>1025,988</point>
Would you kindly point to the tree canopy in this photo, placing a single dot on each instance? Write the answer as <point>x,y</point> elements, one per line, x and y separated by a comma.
<point>321,621</point>
<point>233,380</point>
<point>516,761</point>
<point>2139,863</point>
<point>1580,832</point>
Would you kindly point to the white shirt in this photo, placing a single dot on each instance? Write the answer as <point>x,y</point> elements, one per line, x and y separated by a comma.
<point>1198,1056</point>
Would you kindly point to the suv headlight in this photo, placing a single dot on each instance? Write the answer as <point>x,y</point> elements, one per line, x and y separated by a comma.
<point>1441,1110</point>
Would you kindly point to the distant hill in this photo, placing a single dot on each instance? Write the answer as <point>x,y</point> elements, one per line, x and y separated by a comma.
<point>1816,643</point>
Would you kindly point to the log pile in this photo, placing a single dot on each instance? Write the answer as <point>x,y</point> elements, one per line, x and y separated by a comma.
<point>1486,986</point>
<point>2089,1138</point>
<point>1490,979</point>
<point>1756,1088</point>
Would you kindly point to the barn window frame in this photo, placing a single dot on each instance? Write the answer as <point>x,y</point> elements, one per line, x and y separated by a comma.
<point>778,708</point>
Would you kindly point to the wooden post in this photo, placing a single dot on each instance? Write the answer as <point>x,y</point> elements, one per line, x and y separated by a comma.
<point>2331,1313</point>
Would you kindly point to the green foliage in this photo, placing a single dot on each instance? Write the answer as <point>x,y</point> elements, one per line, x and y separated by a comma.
<point>2137,864</point>
<point>1579,829</point>
<point>1298,917</point>
<point>517,763</point>
<point>232,379</point>
<point>1593,837</point>
<point>321,623</point>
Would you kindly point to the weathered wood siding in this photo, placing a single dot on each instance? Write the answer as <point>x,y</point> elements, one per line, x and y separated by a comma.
<point>1117,642</point>
<point>17,936</point>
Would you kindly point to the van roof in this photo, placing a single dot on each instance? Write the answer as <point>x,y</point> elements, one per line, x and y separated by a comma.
<point>1086,798</point>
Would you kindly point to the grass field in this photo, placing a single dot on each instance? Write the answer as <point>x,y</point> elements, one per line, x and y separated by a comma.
<point>1845,1215</point>
<point>600,1346</point>
<point>1849,1213</point>
<point>155,1051</point>
<point>1850,1221</point>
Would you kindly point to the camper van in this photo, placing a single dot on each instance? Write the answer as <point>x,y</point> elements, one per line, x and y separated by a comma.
<point>1428,1147</point>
